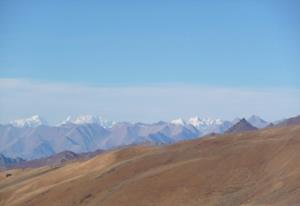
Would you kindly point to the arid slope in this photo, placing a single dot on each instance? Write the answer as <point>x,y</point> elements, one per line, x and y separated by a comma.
<point>251,168</point>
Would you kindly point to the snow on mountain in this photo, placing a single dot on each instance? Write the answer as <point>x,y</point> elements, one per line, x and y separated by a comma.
<point>89,119</point>
<point>209,125</point>
<point>66,121</point>
<point>33,121</point>
<point>197,122</point>
<point>178,121</point>
<point>257,122</point>
<point>204,125</point>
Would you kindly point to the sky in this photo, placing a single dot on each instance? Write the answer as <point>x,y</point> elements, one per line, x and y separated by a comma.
<point>149,60</point>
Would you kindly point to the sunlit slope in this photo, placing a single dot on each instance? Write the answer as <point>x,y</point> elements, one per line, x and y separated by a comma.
<point>252,168</point>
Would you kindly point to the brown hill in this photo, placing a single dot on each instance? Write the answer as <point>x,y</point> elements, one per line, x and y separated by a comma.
<point>242,126</point>
<point>55,160</point>
<point>252,168</point>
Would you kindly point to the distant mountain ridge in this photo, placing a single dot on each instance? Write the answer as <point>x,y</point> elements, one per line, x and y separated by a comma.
<point>199,123</point>
<point>33,121</point>
<point>242,126</point>
<point>55,160</point>
<point>42,141</point>
<point>6,162</point>
<point>205,125</point>
<point>88,119</point>
<point>33,138</point>
<point>289,121</point>
<point>257,122</point>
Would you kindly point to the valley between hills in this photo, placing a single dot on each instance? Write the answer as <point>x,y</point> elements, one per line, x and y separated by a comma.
<point>259,167</point>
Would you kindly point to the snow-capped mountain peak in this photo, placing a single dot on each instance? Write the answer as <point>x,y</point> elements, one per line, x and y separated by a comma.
<point>178,121</point>
<point>209,125</point>
<point>89,119</point>
<point>196,121</point>
<point>33,121</point>
<point>204,125</point>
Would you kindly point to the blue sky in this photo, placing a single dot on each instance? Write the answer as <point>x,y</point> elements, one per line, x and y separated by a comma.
<point>233,44</point>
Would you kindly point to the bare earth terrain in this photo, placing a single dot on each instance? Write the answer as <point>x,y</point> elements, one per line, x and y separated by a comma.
<point>252,168</point>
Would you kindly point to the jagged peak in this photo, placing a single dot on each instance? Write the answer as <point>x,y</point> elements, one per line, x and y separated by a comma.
<point>88,119</point>
<point>33,121</point>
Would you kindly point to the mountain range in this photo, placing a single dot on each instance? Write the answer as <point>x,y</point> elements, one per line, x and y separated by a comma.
<point>33,137</point>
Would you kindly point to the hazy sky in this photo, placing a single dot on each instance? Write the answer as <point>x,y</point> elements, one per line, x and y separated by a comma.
<point>149,60</point>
